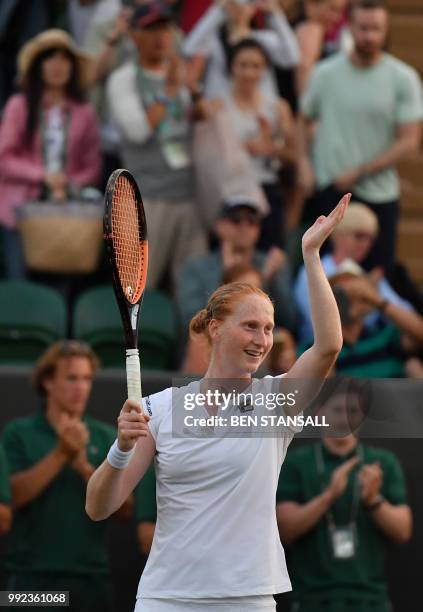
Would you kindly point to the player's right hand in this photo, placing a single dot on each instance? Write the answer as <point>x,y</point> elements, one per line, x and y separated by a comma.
<point>132,425</point>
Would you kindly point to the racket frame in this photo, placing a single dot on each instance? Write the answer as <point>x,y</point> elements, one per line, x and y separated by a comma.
<point>130,313</point>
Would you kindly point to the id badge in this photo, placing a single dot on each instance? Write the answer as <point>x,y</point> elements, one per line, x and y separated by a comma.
<point>343,542</point>
<point>176,155</point>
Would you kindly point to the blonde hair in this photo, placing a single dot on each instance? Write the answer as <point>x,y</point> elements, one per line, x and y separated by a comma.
<point>46,365</point>
<point>220,305</point>
<point>358,217</point>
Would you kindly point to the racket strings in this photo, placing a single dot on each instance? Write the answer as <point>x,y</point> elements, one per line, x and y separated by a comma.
<point>129,245</point>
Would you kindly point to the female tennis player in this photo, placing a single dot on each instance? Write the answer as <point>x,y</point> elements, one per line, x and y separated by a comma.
<point>216,544</point>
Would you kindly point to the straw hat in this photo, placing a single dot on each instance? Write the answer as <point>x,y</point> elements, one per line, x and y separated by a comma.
<point>54,39</point>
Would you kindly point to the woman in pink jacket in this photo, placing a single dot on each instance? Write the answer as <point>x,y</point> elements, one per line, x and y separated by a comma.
<point>49,143</point>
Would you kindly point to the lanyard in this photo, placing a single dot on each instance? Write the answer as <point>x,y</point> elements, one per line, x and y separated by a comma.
<point>320,463</point>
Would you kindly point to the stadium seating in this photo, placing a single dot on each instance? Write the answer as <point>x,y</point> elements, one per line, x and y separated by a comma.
<point>97,321</point>
<point>31,318</point>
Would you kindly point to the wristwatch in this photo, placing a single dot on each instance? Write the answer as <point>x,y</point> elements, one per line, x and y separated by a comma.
<point>376,504</point>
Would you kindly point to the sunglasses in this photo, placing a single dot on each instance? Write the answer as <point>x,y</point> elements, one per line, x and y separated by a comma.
<point>239,219</point>
<point>363,236</point>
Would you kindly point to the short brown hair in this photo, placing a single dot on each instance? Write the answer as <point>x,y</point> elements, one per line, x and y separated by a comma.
<point>46,365</point>
<point>368,5</point>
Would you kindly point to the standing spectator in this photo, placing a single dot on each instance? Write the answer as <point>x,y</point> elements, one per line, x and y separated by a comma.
<point>152,108</point>
<point>49,143</point>
<point>51,455</point>
<point>321,18</point>
<point>80,13</point>
<point>372,102</point>
<point>265,126</point>
<point>20,20</point>
<point>192,11</point>
<point>339,503</point>
<point>229,22</point>
<point>106,39</point>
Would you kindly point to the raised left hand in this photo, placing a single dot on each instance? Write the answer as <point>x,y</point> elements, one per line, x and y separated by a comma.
<point>318,233</point>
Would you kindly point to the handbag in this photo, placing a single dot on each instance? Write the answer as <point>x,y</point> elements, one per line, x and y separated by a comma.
<point>61,237</point>
<point>222,167</point>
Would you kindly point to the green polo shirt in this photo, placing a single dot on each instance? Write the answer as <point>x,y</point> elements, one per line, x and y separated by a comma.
<point>5,496</point>
<point>145,498</point>
<point>53,532</point>
<point>376,354</point>
<point>314,572</point>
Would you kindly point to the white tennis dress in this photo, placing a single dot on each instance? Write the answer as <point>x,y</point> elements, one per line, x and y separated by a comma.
<point>216,543</point>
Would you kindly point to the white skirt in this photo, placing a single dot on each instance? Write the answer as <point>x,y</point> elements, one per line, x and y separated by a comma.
<point>256,603</point>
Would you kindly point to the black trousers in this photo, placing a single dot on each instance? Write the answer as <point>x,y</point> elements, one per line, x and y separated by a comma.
<point>273,226</point>
<point>384,248</point>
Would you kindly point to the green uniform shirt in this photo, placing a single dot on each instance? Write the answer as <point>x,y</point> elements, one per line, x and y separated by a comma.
<point>145,498</point>
<point>313,570</point>
<point>53,532</point>
<point>358,110</point>
<point>5,496</point>
<point>376,354</point>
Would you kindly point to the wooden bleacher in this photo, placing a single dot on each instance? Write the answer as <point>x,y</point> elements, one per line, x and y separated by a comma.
<point>406,43</point>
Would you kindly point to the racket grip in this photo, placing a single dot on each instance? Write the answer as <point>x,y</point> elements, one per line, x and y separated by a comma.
<point>133,375</point>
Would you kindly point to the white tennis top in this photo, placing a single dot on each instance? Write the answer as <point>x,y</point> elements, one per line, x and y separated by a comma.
<point>216,534</point>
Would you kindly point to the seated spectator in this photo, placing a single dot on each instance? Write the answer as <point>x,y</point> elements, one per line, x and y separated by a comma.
<point>152,109</point>
<point>49,145</point>
<point>352,240</point>
<point>321,17</point>
<point>283,354</point>
<point>378,351</point>
<point>339,503</point>
<point>265,126</point>
<point>361,116</point>
<point>238,231</point>
<point>51,455</point>
<point>227,23</point>
<point>5,495</point>
<point>243,273</point>
<point>145,510</point>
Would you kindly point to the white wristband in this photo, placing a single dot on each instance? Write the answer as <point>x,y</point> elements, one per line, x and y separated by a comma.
<point>117,458</point>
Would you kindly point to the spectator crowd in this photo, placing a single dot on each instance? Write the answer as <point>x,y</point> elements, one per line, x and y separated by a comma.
<point>241,121</point>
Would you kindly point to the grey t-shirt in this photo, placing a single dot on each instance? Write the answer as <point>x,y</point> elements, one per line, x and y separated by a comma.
<point>358,110</point>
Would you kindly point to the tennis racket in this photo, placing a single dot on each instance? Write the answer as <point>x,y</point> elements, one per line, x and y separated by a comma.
<point>125,235</point>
